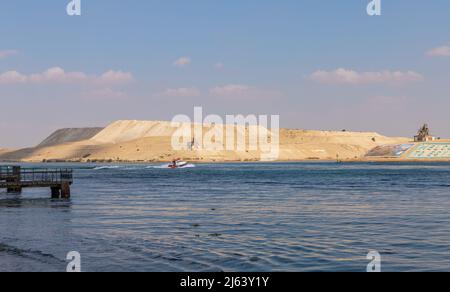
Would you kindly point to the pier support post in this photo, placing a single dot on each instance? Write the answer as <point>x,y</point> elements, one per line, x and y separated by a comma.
<point>15,181</point>
<point>65,190</point>
<point>61,192</point>
<point>56,192</point>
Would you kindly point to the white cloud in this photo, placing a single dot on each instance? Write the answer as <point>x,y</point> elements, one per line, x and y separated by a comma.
<point>7,53</point>
<point>116,77</point>
<point>350,77</point>
<point>443,51</point>
<point>12,77</point>
<point>182,62</point>
<point>181,92</point>
<point>58,75</point>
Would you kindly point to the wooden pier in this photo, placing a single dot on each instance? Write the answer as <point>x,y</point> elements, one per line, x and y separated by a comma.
<point>15,178</point>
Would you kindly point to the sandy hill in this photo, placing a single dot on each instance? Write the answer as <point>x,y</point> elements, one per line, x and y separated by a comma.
<point>330,145</point>
<point>2,151</point>
<point>123,131</point>
<point>69,135</point>
<point>149,141</point>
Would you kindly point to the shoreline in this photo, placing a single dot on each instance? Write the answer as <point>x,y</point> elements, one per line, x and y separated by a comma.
<point>355,161</point>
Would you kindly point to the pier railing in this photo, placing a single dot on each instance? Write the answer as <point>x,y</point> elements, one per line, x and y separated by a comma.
<point>37,175</point>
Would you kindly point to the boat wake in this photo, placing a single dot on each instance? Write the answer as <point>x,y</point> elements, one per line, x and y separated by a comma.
<point>106,167</point>
<point>167,166</point>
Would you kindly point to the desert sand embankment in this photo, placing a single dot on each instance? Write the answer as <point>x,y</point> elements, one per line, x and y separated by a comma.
<point>150,141</point>
<point>2,151</point>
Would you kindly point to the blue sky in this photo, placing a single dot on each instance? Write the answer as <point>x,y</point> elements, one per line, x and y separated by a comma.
<point>319,64</point>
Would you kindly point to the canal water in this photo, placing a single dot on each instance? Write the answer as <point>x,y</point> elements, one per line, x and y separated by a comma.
<point>234,217</point>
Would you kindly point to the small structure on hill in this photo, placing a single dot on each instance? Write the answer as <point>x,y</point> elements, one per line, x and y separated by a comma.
<point>423,135</point>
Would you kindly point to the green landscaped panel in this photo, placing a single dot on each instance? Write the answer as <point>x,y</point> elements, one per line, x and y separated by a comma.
<point>430,151</point>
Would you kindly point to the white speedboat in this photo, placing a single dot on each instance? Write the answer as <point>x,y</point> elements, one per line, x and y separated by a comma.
<point>178,164</point>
